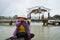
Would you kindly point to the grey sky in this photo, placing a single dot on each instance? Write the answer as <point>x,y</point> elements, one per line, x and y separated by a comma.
<point>13,7</point>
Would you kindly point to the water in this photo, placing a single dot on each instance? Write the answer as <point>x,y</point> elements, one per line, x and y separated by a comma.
<point>41,32</point>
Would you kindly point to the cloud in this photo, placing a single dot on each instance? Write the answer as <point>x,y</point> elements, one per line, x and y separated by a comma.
<point>54,5</point>
<point>16,8</point>
<point>3,5</point>
<point>12,7</point>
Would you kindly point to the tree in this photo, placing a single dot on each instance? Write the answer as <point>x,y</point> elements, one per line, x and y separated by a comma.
<point>57,16</point>
<point>2,17</point>
<point>15,16</point>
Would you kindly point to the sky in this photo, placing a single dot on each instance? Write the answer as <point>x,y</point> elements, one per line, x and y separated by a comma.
<point>17,7</point>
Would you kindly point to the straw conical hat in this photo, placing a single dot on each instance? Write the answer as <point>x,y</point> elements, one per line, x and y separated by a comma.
<point>22,15</point>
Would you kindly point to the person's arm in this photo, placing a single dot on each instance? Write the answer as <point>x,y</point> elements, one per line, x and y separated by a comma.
<point>17,22</point>
<point>27,29</point>
<point>17,25</point>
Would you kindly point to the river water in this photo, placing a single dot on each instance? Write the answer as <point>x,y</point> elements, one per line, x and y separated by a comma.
<point>41,32</point>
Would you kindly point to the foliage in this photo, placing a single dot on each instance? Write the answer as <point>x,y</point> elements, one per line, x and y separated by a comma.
<point>3,17</point>
<point>15,16</point>
<point>57,16</point>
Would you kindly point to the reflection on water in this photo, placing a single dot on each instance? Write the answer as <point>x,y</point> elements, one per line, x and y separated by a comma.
<point>41,32</point>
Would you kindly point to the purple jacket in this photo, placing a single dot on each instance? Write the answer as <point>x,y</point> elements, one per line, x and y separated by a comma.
<point>18,23</point>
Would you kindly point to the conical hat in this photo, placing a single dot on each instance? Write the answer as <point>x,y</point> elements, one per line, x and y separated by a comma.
<point>22,15</point>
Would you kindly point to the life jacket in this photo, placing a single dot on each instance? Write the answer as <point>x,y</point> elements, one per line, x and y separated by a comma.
<point>21,28</point>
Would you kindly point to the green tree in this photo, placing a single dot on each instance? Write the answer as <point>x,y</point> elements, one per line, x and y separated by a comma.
<point>15,16</point>
<point>2,17</point>
<point>57,16</point>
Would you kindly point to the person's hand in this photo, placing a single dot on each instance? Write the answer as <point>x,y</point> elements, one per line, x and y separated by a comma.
<point>14,36</point>
<point>29,36</point>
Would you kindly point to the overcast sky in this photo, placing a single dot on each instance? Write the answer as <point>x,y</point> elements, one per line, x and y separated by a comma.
<point>13,7</point>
